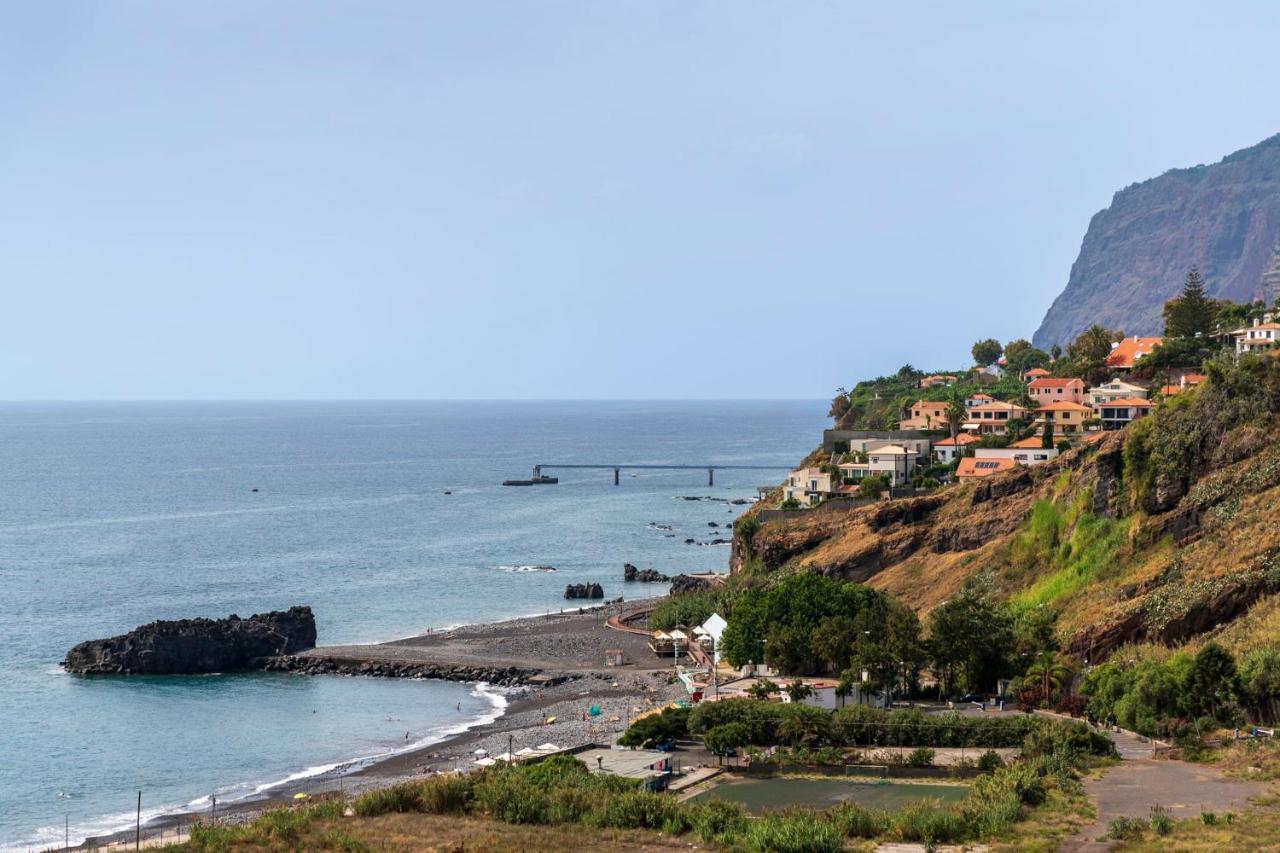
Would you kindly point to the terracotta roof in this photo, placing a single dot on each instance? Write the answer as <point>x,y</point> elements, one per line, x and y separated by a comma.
<point>1036,371</point>
<point>1125,353</point>
<point>1166,390</point>
<point>1129,401</point>
<point>961,438</point>
<point>929,404</point>
<point>997,406</point>
<point>980,397</point>
<point>1245,330</point>
<point>1194,378</point>
<point>1032,443</point>
<point>1050,382</point>
<point>1064,406</point>
<point>973,467</point>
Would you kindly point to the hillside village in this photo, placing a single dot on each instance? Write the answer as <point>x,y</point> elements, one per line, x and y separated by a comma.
<point>1018,406</point>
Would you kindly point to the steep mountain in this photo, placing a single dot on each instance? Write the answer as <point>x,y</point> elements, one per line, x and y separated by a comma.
<point>1224,218</point>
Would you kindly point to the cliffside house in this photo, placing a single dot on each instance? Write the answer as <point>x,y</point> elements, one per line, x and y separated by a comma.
<point>1025,452</point>
<point>978,399</point>
<point>971,467</point>
<point>842,440</point>
<point>937,379</point>
<point>996,370</point>
<point>949,449</point>
<point>1187,380</point>
<point>809,486</point>
<point>1034,373</point>
<point>1116,389</point>
<point>994,417</point>
<point>891,460</point>
<point>1126,352</point>
<point>1117,414</point>
<point>1258,337</point>
<point>1047,390</point>
<point>1063,418</point>
<point>927,415</point>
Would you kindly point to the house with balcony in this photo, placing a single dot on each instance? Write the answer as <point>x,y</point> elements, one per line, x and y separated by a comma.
<point>994,417</point>
<point>927,415</point>
<point>937,379</point>
<point>1034,373</point>
<point>1063,417</point>
<point>1118,414</point>
<point>1258,337</point>
<point>895,462</point>
<point>1116,389</point>
<point>978,400</point>
<point>809,486</point>
<point>1028,452</point>
<point>1047,390</point>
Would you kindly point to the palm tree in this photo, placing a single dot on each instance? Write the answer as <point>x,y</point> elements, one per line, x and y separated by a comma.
<point>1049,673</point>
<point>798,691</point>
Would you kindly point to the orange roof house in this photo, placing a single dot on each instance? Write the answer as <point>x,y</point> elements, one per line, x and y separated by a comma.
<point>927,414</point>
<point>949,448</point>
<point>1116,414</point>
<point>1030,443</point>
<point>1064,416</point>
<point>1124,354</point>
<point>1189,380</point>
<point>1034,373</point>
<point>971,468</point>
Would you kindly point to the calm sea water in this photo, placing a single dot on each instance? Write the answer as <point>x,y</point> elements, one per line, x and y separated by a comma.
<point>113,515</point>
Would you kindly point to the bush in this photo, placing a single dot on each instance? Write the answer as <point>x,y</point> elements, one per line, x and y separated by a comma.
<point>921,757</point>
<point>990,761</point>
<point>715,818</point>
<point>927,823</point>
<point>1160,820</point>
<point>670,723</point>
<point>1126,828</point>
<point>405,797</point>
<point>857,821</point>
<point>636,810</point>
<point>794,832</point>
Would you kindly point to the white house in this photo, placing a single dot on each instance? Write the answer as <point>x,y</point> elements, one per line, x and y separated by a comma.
<point>1260,336</point>
<point>1116,389</point>
<point>892,460</point>
<point>948,449</point>
<point>807,485</point>
<point>1026,452</point>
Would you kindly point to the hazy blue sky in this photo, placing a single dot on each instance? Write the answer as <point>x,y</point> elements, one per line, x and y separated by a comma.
<point>574,199</point>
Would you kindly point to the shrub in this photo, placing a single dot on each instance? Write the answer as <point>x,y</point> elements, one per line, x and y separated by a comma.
<point>927,823</point>
<point>1160,820</point>
<point>1208,818</point>
<point>670,723</point>
<point>1126,828</point>
<point>794,832</point>
<point>714,818</point>
<point>635,810</point>
<point>405,797</point>
<point>921,757</point>
<point>857,821</point>
<point>990,761</point>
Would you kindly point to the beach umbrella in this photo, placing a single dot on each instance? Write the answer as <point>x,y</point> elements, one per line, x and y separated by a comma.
<point>481,752</point>
<point>594,711</point>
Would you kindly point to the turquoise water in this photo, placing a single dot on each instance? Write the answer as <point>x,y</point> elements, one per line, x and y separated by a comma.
<point>113,515</point>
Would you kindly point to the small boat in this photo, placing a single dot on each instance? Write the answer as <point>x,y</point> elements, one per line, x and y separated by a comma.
<point>517,482</point>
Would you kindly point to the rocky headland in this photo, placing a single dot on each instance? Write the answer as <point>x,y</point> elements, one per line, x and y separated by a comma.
<point>197,646</point>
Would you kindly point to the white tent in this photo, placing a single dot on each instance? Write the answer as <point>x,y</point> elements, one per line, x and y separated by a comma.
<point>715,626</point>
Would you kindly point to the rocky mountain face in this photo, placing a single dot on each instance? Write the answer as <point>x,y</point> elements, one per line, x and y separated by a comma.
<point>1224,218</point>
<point>190,646</point>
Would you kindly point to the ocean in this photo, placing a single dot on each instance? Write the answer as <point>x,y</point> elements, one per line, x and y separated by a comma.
<point>116,514</point>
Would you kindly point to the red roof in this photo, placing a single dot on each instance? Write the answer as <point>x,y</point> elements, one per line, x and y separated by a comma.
<point>972,467</point>
<point>1032,443</point>
<point>1131,402</point>
<point>1064,406</point>
<point>1036,371</point>
<point>961,438</point>
<point>1125,353</point>
<point>1050,382</point>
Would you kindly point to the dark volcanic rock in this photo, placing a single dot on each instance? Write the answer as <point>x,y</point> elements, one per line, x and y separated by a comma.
<point>584,590</point>
<point>1224,218</point>
<point>680,584</point>
<point>190,646</point>
<point>631,573</point>
<point>509,676</point>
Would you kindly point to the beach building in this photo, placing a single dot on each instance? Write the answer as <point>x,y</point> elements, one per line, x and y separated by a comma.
<point>807,485</point>
<point>1117,414</point>
<point>927,415</point>
<point>1063,418</point>
<point>971,467</point>
<point>1126,352</point>
<point>949,449</point>
<point>1116,389</point>
<point>1047,389</point>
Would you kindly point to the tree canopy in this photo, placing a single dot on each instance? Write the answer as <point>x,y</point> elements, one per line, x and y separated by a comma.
<point>1191,313</point>
<point>986,352</point>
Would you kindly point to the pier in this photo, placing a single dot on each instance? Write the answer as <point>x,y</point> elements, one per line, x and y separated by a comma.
<point>618,468</point>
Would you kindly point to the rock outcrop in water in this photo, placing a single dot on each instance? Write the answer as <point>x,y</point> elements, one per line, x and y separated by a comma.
<point>584,590</point>
<point>630,573</point>
<point>194,646</point>
<point>1224,218</point>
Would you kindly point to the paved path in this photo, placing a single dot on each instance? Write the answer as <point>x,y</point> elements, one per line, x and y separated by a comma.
<point>1139,782</point>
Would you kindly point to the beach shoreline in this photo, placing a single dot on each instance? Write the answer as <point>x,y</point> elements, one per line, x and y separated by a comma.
<point>567,649</point>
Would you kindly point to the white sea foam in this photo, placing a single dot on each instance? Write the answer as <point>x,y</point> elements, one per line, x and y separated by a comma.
<point>517,569</point>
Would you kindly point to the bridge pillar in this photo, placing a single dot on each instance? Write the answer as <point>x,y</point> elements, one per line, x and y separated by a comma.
<point>711,476</point>
<point>537,471</point>
<point>615,475</point>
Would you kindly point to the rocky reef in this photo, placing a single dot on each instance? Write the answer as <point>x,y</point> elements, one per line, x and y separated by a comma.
<point>630,573</point>
<point>194,646</point>
<point>584,590</point>
<point>681,584</point>
<point>501,676</point>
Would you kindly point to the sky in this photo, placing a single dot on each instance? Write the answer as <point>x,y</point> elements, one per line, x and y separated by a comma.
<point>538,199</point>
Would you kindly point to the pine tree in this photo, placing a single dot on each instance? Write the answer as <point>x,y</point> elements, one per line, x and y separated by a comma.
<point>1192,313</point>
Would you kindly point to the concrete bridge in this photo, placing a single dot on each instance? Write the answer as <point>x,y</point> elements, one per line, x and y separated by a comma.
<point>617,469</point>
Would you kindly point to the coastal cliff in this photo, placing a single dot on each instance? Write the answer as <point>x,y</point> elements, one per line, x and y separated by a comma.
<point>1224,218</point>
<point>194,646</point>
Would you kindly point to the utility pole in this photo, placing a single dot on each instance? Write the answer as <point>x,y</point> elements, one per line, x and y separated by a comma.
<point>66,833</point>
<point>213,808</point>
<point>137,826</point>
